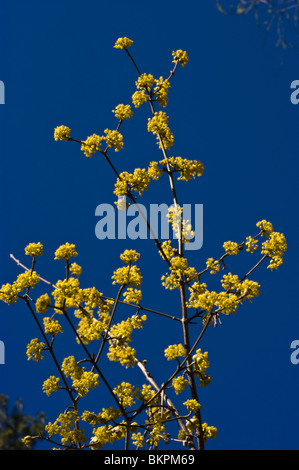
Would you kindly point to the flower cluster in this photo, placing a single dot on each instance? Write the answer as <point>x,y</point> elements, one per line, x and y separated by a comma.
<point>127,275</point>
<point>82,380</point>
<point>179,384</point>
<point>91,145</point>
<point>274,248</point>
<point>42,303</point>
<point>201,365</point>
<point>75,269</point>
<point>145,81</point>
<point>66,425</point>
<point>174,351</point>
<point>120,337</point>
<point>34,350</point>
<point>67,293</point>
<point>51,385</point>
<point>167,249</point>
<point>62,133</point>
<point>161,91</point>
<point>66,252</point>
<point>265,227</point>
<point>154,171</point>
<point>179,272</point>
<point>114,139</point>
<point>251,244</point>
<point>213,266</point>
<point>158,125</point>
<point>226,301</point>
<point>123,43</point>
<point>132,295</point>
<point>181,57</point>
<point>181,228</point>
<point>138,181</point>
<point>192,405</point>
<point>231,248</point>
<point>123,111</point>
<point>89,328</point>
<point>187,168</point>
<point>193,426</point>
<point>139,97</point>
<point>9,293</point>
<point>52,326</point>
<point>34,249</point>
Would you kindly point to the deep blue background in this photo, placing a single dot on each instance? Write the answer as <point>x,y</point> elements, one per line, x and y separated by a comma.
<point>229,107</point>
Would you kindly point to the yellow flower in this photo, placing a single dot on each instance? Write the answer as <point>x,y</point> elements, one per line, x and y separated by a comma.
<point>114,139</point>
<point>75,269</point>
<point>161,91</point>
<point>251,244</point>
<point>51,385</point>
<point>181,57</point>
<point>132,295</point>
<point>213,266</point>
<point>65,252</point>
<point>62,133</point>
<point>52,326</point>
<point>25,280</point>
<point>158,125</point>
<point>179,384</point>
<point>42,303</point>
<point>266,227</point>
<point>145,81</point>
<point>139,97</point>
<point>123,43</point>
<point>174,351</point>
<point>9,293</point>
<point>231,248</point>
<point>187,168</point>
<point>275,247</point>
<point>130,256</point>
<point>34,350</point>
<point>192,405</point>
<point>34,249</point>
<point>123,111</point>
<point>91,145</point>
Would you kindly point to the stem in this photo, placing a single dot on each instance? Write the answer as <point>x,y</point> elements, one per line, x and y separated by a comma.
<point>167,401</point>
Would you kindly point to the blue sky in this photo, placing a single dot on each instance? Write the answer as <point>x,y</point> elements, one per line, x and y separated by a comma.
<point>229,107</point>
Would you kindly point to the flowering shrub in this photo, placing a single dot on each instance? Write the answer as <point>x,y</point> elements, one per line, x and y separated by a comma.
<point>138,416</point>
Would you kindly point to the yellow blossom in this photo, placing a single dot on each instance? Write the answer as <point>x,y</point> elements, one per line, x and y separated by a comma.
<point>34,350</point>
<point>51,385</point>
<point>66,252</point>
<point>130,256</point>
<point>274,248</point>
<point>174,351</point>
<point>265,227</point>
<point>192,405</point>
<point>251,244</point>
<point>123,43</point>
<point>114,139</point>
<point>139,97</point>
<point>34,249</point>
<point>62,133</point>
<point>181,57</point>
<point>213,266</point>
<point>158,125</point>
<point>179,384</point>
<point>52,326</point>
<point>42,303</point>
<point>123,111</point>
<point>91,145</point>
<point>231,248</point>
